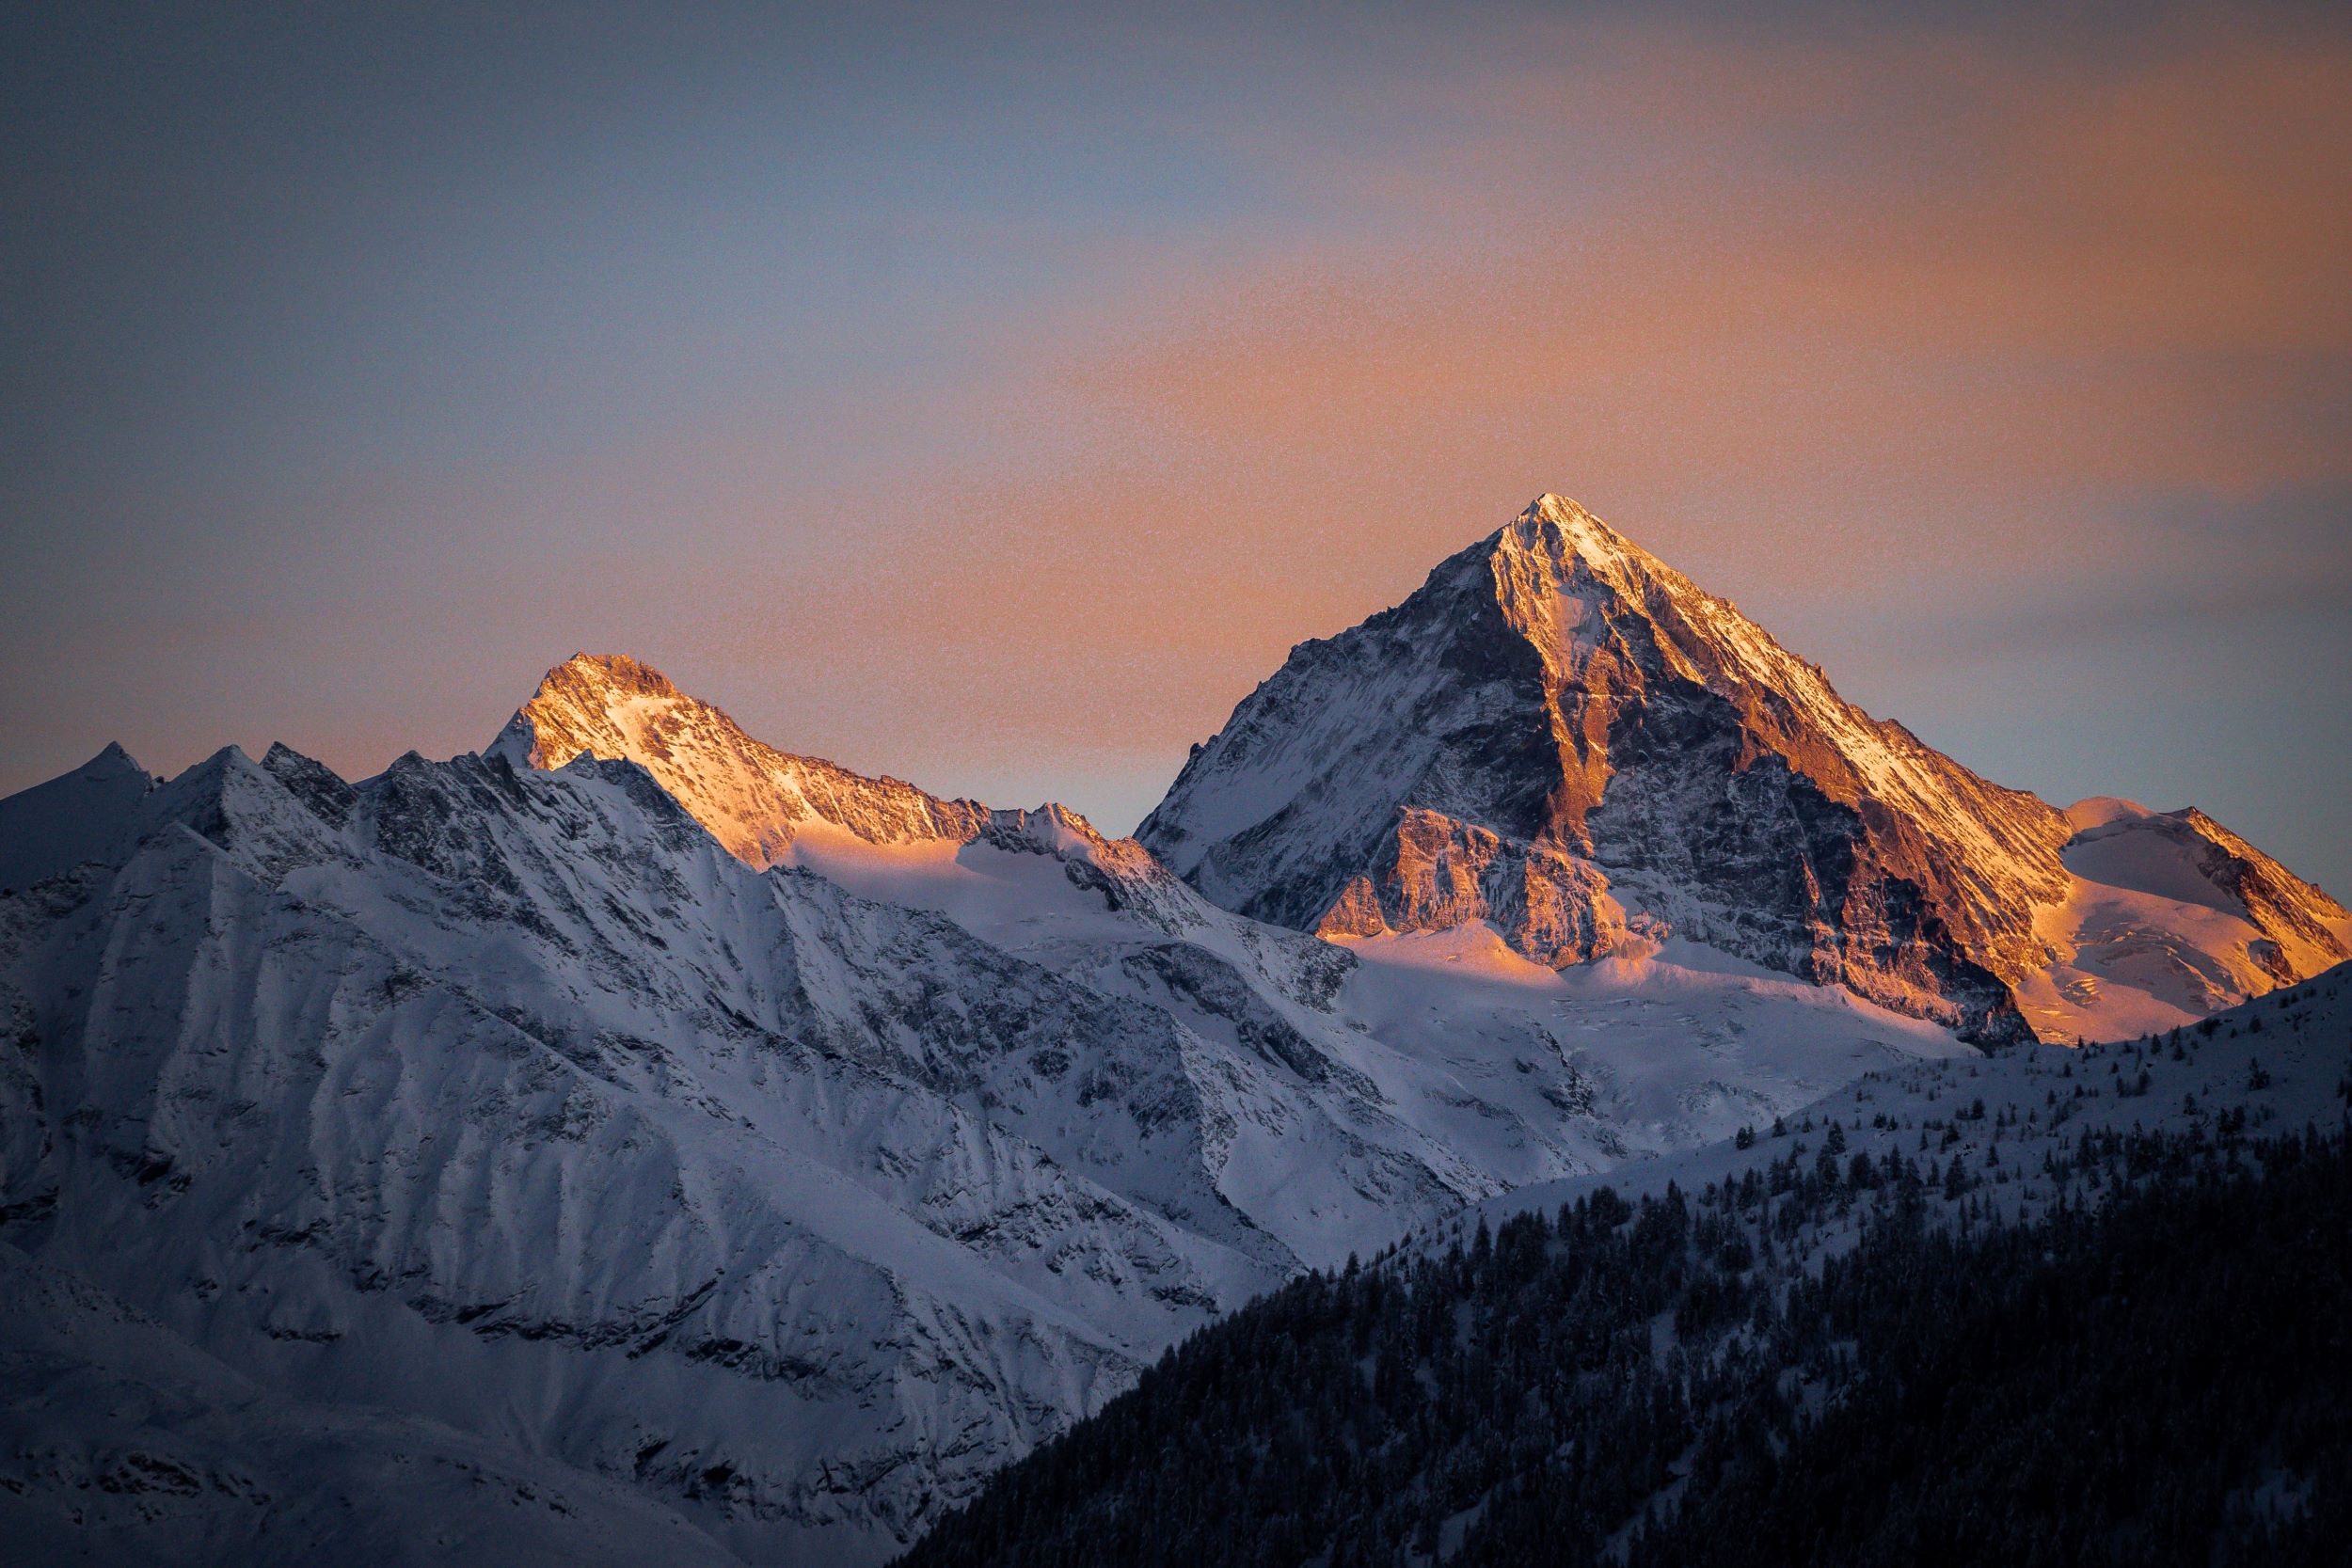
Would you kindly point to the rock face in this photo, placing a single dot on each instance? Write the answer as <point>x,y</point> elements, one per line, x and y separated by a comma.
<point>1562,736</point>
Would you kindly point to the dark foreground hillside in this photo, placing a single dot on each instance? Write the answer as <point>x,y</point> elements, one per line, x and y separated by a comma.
<point>2156,1369</point>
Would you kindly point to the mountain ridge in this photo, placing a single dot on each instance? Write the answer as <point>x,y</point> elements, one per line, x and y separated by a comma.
<point>791,1148</point>
<point>793,1199</point>
<point>754,799</point>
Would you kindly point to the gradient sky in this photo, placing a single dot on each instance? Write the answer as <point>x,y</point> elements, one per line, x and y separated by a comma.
<point>991,401</point>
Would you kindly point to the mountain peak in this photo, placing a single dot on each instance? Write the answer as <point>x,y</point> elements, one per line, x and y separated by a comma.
<point>1560,734</point>
<point>112,762</point>
<point>75,817</point>
<point>619,672</point>
<point>1555,542</point>
<point>2101,810</point>
<point>1552,516</point>
<point>1569,518</point>
<point>580,706</point>
<point>755,800</point>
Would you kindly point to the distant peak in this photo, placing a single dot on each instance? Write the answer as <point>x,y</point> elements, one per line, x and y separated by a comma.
<point>109,763</point>
<point>1558,509</point>
<point>615,672</point>
<point>285,761</point>
<point>2100,811</point>
<point>754,799</point>
<point>576,706</point>
<point>1557,515</point>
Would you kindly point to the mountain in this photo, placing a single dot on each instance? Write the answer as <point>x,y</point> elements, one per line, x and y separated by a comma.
<point>2052,1307</point>
<point>1561,737</point>
<point>788,1172</point>
<point>648,1142</point>
<point>1444,1070</point>
<point>2169,916</point>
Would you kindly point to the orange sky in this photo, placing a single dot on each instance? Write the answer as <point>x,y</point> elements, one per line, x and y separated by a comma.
<point>996,407</point>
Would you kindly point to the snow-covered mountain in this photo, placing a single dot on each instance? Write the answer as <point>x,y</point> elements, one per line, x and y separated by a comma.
<point>513,1101</point>
<point>1562,738</point>
<point>1392,1042</point>
<point>2169,916</point>
<point>637,1142</point>
<point>74,817</point>
<point>787,1148</point>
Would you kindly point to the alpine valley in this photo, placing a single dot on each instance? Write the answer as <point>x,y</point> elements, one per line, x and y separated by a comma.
<point>633,1142</point>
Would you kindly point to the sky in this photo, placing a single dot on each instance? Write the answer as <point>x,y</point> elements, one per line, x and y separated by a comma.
<point>990,396</point>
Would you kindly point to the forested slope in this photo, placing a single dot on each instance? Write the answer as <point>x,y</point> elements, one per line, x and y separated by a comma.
<point>2124,1340</point>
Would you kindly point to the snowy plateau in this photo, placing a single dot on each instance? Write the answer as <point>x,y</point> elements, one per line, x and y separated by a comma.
<point>633,1143</point>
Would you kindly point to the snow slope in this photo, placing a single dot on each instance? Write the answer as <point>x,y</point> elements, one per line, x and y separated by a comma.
<point>2273,1066</point>
<point>129,1444</point>
<point>2168,917</point>
<point>1562,736</point>
<point>77,816</point>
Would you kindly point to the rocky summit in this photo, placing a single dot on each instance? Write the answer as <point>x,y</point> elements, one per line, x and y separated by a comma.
<point>1562,737</point>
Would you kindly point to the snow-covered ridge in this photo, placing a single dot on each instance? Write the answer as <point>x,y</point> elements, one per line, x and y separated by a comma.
<point>511,1101</point>
<point>1390,1045</point>
<point>56,826</point>
<point>755,800</point>
<point>2169,916</point>
<point>1561,734</point>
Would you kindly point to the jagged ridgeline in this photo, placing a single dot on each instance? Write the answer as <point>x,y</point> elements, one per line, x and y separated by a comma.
<point>783,1147</point>
<point>2000,1322</point>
